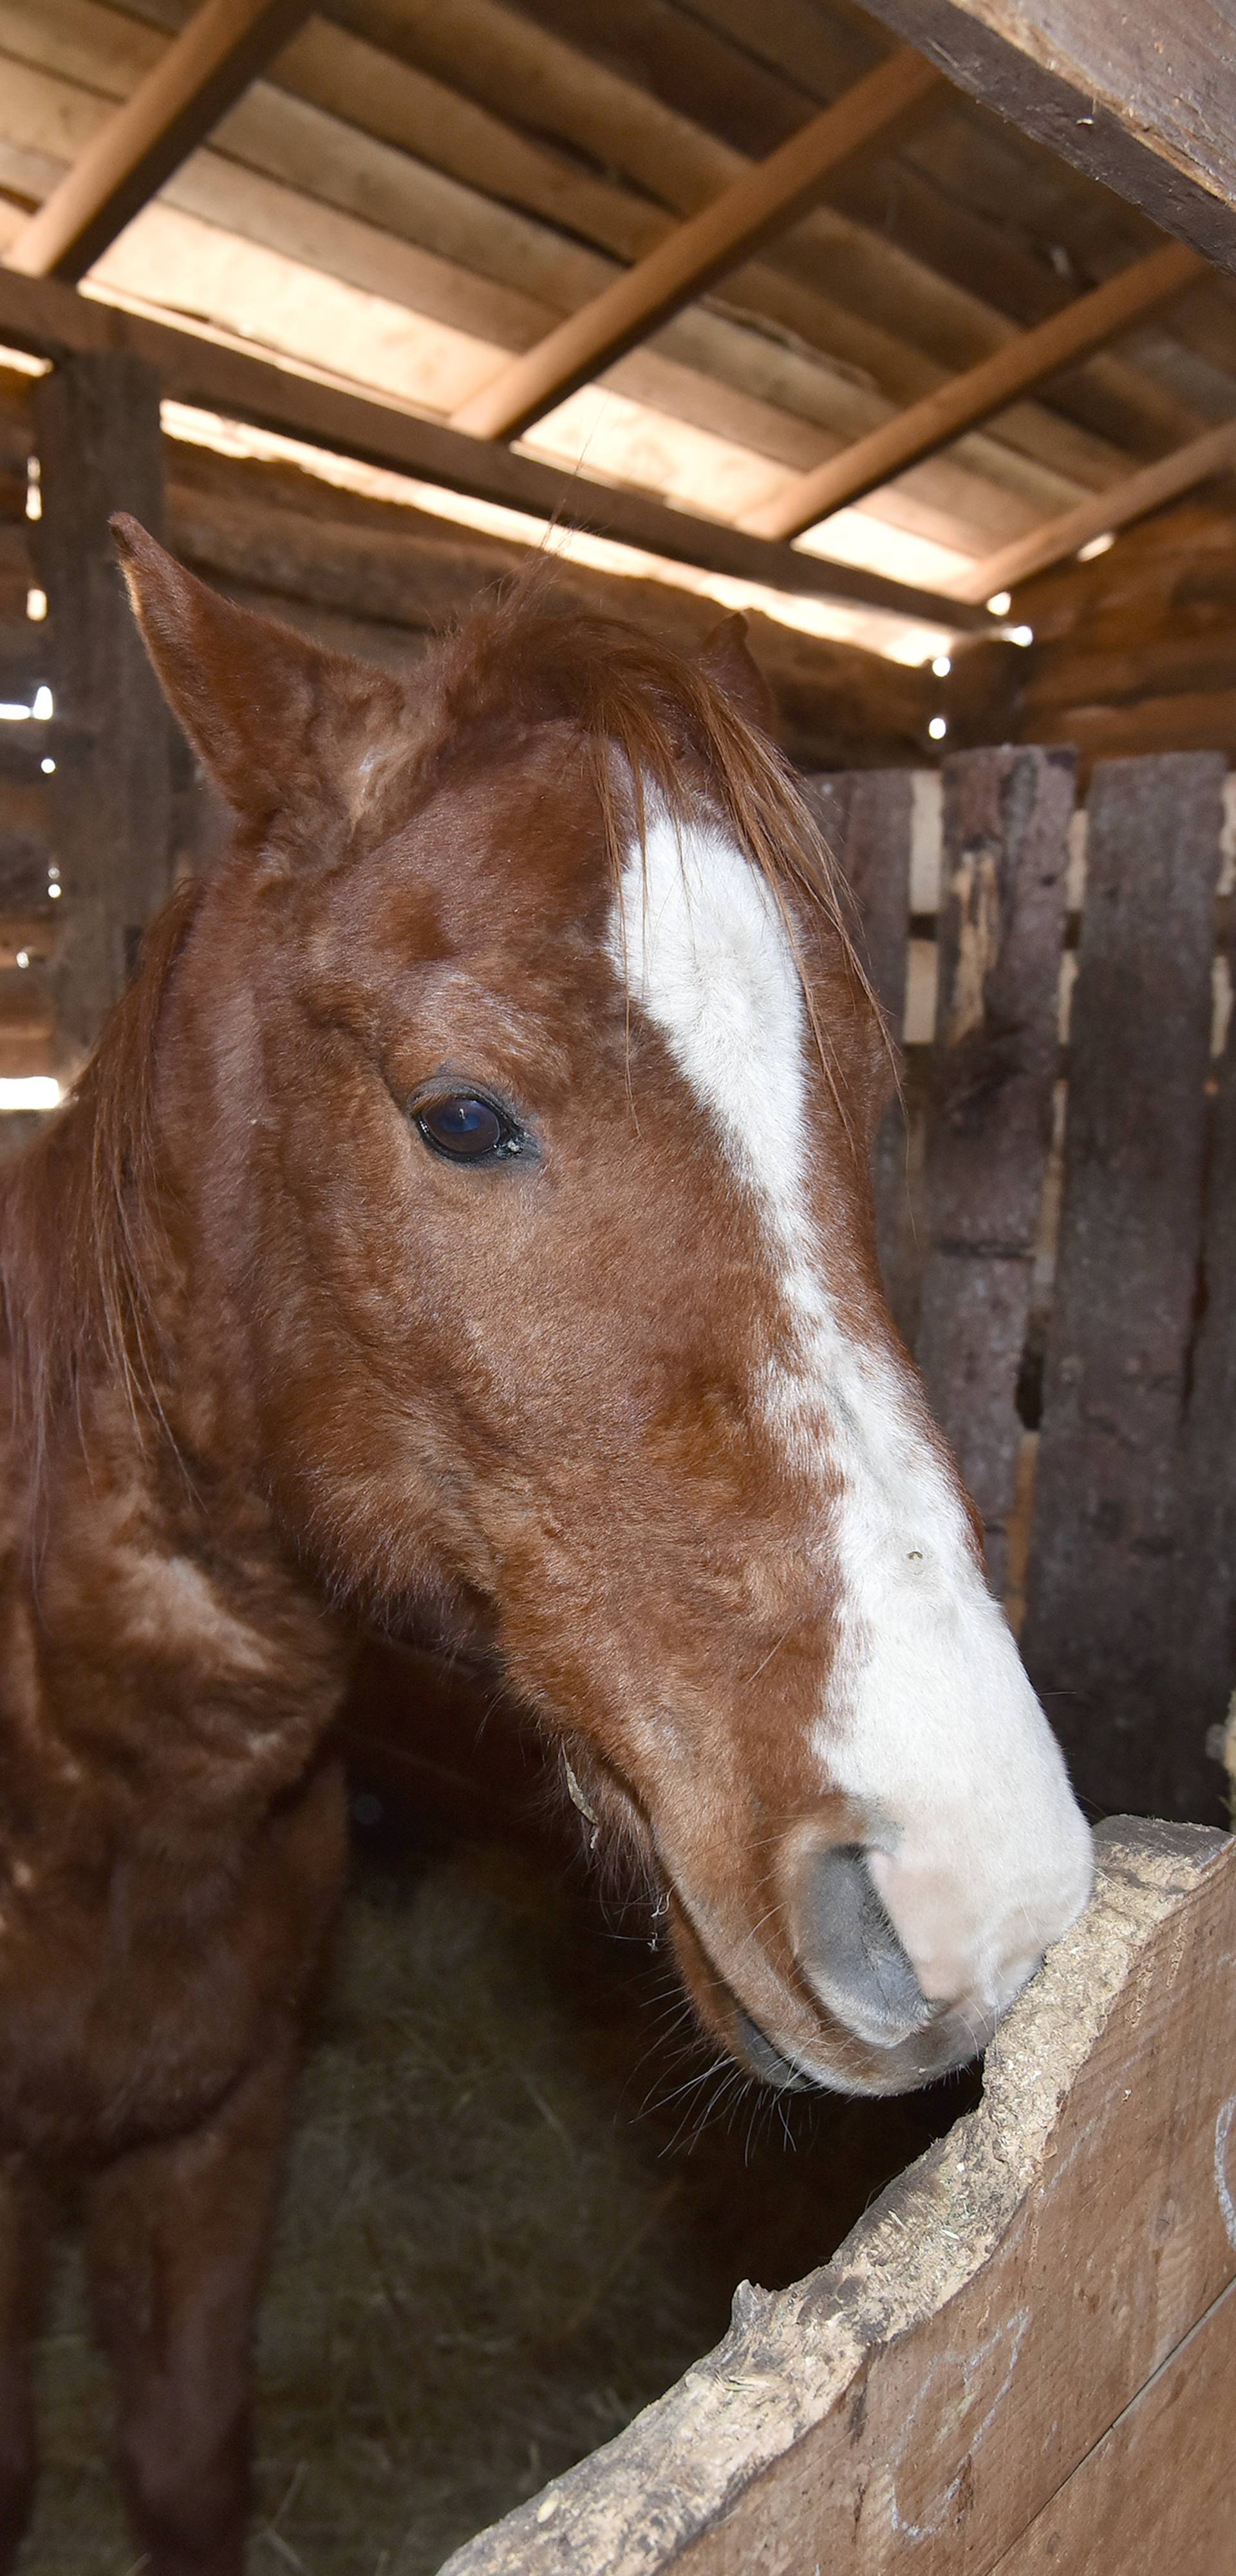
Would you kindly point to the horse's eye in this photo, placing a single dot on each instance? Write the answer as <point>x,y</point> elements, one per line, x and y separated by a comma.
<point>468,1129</point>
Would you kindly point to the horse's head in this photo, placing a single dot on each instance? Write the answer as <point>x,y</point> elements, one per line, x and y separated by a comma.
<point>540,1082</point>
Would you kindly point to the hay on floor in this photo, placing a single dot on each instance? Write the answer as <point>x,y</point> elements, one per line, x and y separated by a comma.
<point>501,2235</point>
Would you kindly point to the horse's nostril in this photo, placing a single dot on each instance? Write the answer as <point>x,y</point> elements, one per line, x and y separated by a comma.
<point>850,1951</point>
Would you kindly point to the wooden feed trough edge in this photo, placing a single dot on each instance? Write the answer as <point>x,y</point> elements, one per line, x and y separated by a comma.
<point>1025,2350</point>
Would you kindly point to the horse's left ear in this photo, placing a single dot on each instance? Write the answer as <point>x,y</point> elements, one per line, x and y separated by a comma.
<point>728,659</point>
<point>289,732</point>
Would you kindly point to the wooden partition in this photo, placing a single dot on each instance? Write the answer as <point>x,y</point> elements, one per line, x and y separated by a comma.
<point>1022,2357</point>
<point>28,921</point>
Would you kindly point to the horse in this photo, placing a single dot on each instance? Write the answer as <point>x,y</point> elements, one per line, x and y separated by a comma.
<point>465,1215</point>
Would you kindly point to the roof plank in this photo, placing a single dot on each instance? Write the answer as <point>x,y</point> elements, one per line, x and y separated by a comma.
<point>975,395</point>
<point>207,66</point>
<point>758,203</point>
<point>1142,99</point>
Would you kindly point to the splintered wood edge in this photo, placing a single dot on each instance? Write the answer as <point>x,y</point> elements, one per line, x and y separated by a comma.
<point>789,2356</point>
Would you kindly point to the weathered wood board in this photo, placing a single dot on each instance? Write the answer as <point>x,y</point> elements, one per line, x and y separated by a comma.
<point>1107,1526</point>
<point>1204,1627</point>
<point>1001,930</point>
<point>1141,98</point>
<point>1026,2342</point>
<point>97,427</point>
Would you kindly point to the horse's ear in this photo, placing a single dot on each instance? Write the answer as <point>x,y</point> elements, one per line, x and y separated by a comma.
<point>728,659</point>
<point>284,727</point>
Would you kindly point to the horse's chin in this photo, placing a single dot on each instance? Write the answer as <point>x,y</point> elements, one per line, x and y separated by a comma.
<point>838,2061</point>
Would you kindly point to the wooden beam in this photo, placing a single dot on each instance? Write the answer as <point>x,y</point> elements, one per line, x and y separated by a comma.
<point>225,44</point>
<point>95,421</point>
<point>1143,99</point>
<point>1131,498</point>
<point>54,321</point>
<point>965,400</point>
<point>1109,1548</point>
<point>999,937</point>
<point>766,199</point>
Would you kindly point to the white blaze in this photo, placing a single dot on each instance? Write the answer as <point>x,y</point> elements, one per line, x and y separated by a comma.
<point>977,1847</point>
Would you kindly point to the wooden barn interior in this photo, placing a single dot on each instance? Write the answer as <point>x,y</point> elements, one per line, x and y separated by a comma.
<point>909,331</point>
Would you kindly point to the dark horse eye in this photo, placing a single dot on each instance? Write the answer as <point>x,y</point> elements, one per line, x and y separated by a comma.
<point>468,1129</point>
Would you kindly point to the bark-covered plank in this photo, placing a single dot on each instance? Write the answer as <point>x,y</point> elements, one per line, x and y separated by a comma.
<point>1204,1636</point>
<point>1143,99</point>
<point>867,817</point>
<point>1107,1549</point>
<point>98,436</point>
<point>1001,930</point>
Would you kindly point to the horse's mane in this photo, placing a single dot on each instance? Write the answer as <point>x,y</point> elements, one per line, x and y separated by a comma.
<point>77,1207</point>
<point>74,1207</point>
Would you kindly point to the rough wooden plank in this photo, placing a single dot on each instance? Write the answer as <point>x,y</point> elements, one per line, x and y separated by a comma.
<point>1188,720</point>
<point>867,818</point>
<point>185,93</point>
<point>1106,1552</point>
<point>40,314</point>
<point>1159,2486</point>
<point>918,2402</point>
<point>1142,99</point>
<point>758,203</point>
<point>963,401</point>
<point>1204,1622</point>
<point>97,429</point>
<point>1000,934</point>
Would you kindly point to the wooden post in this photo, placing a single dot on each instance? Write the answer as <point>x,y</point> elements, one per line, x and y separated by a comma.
<point>97,433</point>
<point>1106,1551</point>
<point>866,817</point>
<point>1001,930</point>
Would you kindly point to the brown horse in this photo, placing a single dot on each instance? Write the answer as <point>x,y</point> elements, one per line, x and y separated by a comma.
<point>466,1210</point>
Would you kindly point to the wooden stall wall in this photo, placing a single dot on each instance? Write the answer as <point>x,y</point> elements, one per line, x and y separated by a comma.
<point>1134,648</point>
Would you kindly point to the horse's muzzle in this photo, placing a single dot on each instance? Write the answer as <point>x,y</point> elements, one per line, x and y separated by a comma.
<point>851,1958</point>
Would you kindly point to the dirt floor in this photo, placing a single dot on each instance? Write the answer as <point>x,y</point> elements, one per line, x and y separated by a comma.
<point>515,2214</point>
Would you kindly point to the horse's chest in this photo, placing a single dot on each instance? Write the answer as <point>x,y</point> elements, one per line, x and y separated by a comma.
<point>99,2044</point>
<point>134,1989</point>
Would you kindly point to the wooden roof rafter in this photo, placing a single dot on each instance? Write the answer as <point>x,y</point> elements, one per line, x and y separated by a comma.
<point>1133,498</point>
